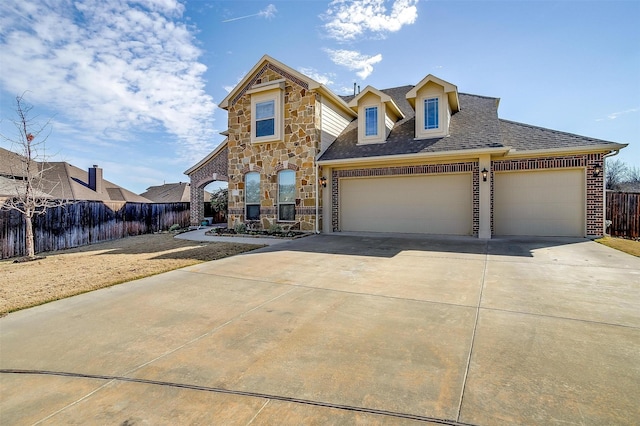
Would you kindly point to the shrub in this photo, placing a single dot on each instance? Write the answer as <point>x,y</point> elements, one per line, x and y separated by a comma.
<point>275,229</point>
<point>240,228</point>
<point>175,227</point>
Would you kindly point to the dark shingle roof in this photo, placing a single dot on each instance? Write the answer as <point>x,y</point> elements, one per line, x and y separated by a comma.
<point>62,180</point>
<point>524,137</point>
<point>475,126</point>
<point>172,193</point>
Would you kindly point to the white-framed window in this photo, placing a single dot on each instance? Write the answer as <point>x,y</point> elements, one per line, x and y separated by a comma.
<point>371,121</point>
<point>431,114</point>
<point>252,196</point>
<point>286,195</point>
<point>265,118</point>
<point>267,121</point>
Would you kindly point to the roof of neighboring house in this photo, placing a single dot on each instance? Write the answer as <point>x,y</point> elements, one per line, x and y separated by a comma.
<point>475,127</point>
<point>63,181</point>
<point>172,193</point>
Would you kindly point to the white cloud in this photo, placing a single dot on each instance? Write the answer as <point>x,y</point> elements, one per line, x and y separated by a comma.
<point>268,13</point>
<point>229,87</point>
<point>325,79</point>
<point>348,19</point>
<point>111,68</point>
<point>615,115</point>
<point>354,61</point>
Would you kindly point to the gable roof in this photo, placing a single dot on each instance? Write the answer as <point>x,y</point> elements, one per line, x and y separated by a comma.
<point>63,181</point>
<point>384,98</point>
<point>172,193</point>
<point>291,74</point>
<point>449,89</point>
<point>474,128</point>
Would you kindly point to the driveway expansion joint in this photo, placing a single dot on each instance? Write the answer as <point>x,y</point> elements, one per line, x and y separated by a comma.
<point>267,397</point>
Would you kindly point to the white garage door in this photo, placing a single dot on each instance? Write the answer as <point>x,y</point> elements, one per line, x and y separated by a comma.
<point>543,203</point>
<point>440,204</point>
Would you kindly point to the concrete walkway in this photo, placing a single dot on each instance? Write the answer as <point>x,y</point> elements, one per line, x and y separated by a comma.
<point>342,329</point>
<point>200,235</point>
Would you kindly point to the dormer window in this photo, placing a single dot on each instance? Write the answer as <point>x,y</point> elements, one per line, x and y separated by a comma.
<point>434,101</point>
<point>431,114</point>
<point>377,114</point>
<point>371,121</point>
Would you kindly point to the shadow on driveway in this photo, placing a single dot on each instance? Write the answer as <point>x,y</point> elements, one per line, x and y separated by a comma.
<point>389,245</point>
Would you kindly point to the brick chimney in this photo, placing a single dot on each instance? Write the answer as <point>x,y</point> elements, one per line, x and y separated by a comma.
<point>95,178</point>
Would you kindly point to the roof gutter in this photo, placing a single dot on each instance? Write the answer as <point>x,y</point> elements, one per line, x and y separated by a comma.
<point>468,153</point>
<point>572,150</point>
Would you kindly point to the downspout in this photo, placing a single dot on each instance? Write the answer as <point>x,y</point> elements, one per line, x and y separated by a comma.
<point>315,162</point>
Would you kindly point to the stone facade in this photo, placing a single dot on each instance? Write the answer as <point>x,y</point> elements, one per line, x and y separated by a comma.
<point>296,151</point>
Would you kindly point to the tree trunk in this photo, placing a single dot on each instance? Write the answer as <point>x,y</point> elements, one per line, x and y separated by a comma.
<point>29,246</point>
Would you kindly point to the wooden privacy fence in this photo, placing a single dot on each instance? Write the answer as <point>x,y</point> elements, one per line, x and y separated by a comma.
<point>88,222</point>
<point>623,210</point>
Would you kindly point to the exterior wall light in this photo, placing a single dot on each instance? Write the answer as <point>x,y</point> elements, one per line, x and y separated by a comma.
<point>484,174</point>
<point>597,169</point>
<point>323,181</point>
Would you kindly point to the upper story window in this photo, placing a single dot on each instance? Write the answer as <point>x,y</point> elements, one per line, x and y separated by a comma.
<point>265,118</point>
<point>371,121</point>
<point>267,105</point>
<point>434,101</point>
<point>252,196</point>
<point>287,195</point>
<point>431,115</point>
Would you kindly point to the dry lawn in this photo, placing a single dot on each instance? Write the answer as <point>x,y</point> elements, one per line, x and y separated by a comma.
<point>69,272</point>
<point>627,246</point>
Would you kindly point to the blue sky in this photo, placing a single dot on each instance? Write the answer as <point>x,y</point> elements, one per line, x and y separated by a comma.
<point>133,86</point>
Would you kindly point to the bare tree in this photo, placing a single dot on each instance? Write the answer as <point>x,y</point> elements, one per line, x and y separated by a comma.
<point>633,175</point>
<point>30,196</point>
<point>615,174</point>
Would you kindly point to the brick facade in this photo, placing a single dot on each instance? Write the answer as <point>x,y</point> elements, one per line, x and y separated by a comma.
<point>213,170</point>
<point>424,169</point>
<point>594,184</point>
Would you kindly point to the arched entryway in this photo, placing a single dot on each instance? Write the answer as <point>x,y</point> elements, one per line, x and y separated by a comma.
<point>210,169</point>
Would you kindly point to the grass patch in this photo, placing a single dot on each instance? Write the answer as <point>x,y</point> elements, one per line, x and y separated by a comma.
<point>628,246</point>
<point>66,273</point>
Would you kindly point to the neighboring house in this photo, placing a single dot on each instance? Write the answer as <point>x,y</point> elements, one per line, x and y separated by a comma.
<point>61,180</point>
<point>423,158</point>
<point>172,193</point>
<point>181,193</point>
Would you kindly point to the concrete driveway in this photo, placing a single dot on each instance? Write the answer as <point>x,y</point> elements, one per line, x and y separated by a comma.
<point>343,329</point>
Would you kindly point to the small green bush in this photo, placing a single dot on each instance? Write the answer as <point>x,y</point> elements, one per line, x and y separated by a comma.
<point>175,227</point>
<point>275,229</point>
<point>240,228</point>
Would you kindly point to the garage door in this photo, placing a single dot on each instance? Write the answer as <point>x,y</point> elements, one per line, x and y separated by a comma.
<point>543,203</point>
<point>439,204</point>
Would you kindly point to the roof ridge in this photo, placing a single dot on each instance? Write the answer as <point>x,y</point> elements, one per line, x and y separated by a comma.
<point>67,177</point>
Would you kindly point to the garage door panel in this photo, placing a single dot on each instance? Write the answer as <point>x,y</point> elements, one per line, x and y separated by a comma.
<point>542,203</point>
<point>438,204</point>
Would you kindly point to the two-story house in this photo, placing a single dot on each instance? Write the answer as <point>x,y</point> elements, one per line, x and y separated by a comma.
<point>422,158</point>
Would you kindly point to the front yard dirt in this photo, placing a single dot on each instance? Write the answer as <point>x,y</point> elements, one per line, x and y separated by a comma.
<point>69,272</point>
